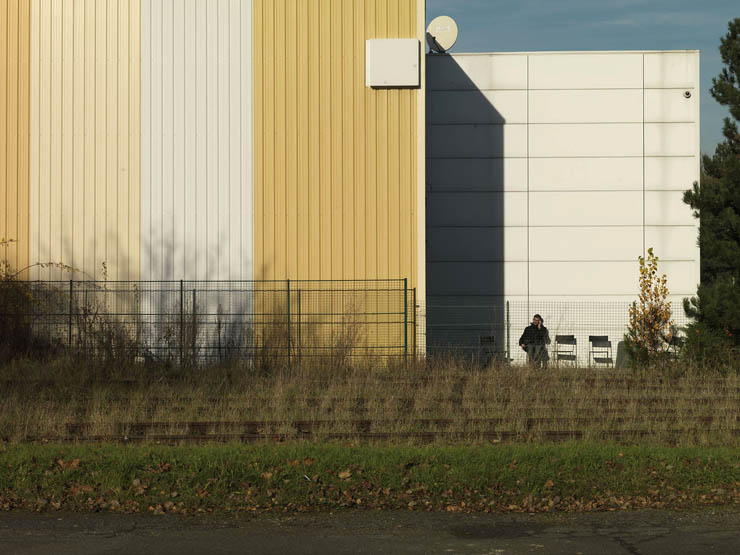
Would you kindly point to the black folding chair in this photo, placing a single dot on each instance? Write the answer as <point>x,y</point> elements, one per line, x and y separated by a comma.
<point>488,351</point>
<point>566,349</point>
<point>601,351</point>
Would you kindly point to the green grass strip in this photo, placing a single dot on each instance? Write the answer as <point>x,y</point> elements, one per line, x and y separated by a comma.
<point>307,477</point>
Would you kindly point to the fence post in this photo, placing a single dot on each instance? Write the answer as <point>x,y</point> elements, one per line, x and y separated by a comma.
<point>508,330</point>
<point>300,343</point>
<point>194,330</point>
<point>182,321</point>
<point>415,337</point>
<point>405,318</point>
<point>288,316</point>
<point>69,322</point>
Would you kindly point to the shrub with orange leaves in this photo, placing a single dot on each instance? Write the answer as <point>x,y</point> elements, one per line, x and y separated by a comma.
<point>651,333</point>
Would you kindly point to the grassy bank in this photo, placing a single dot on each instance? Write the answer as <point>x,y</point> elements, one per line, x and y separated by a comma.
<point>433,401</point>
<point>306,477</point>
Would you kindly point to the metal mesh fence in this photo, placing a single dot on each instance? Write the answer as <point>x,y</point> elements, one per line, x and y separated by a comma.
<point>489,331</point>
<point>204,322</point>
<point>195,322</point>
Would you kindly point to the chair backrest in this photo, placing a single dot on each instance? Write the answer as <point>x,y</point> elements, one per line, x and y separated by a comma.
<point>599,344</point>
<point>593,338</point>
<point>565,339</point>
<point>487,339</point>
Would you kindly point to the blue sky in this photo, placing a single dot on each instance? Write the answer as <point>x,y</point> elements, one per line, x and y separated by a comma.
<point>534,25</point>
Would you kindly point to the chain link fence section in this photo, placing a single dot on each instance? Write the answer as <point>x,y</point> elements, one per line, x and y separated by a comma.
<point>492,331</point>
<point>206,322</point>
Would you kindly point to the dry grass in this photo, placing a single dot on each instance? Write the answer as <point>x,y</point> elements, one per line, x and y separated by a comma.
<point>459,403</point>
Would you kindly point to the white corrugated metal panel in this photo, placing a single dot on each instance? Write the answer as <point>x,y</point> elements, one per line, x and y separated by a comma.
<point>84,139</point>
<point>197,139</point>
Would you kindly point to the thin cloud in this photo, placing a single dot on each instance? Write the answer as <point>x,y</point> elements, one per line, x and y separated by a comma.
<point>623,22</point>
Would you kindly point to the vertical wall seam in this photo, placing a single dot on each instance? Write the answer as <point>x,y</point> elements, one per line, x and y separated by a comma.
<point>84,126</point>
<point>24,262</point>
<point>118,140</point>
<point>643,155</point>
<point>51,142</point>
<point>528,206</point>
<point>173,235</point>
<point>250,132</point>
<point>186,245</point>
<point>106,137</point>
<point>4,231</point>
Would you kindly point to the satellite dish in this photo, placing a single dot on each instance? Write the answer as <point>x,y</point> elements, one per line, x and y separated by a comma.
<point>441,34</point>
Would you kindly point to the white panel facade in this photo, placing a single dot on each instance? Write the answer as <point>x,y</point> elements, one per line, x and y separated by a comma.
<point>670,173</point>
<point>576,140</point>
<point>479,174</point>
<point>672,70</point>
<point>585,174</point>
<point>585,208</point>
<point>585,106</point>
<point>196,140</point>
<point>477,141</point>
<point>608,144</point>
<point>670,105</point>
<point>669,139</point>
<point>451,209</point>
<point>584,70</point>
<point>551,244</point>
<point>474,107</point>
<point>478,72</point>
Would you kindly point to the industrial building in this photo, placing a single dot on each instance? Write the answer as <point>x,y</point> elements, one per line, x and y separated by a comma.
<point>313,140</point>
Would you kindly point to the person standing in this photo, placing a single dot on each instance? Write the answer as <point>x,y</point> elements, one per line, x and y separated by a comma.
<point>534,341</point>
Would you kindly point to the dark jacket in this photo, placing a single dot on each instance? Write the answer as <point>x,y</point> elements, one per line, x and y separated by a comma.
<point>535,336</point>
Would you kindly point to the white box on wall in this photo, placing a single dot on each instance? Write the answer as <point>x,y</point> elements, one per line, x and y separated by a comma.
<point>392,63</point>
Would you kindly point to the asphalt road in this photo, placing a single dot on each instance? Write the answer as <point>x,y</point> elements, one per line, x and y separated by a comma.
<point>639,532</point>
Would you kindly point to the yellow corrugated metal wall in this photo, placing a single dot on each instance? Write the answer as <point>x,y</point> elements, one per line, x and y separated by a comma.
<point>335,163</point>
<point>15,45</point>
<point>85,137</point>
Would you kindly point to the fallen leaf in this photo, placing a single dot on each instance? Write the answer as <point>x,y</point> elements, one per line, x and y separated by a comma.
<point>344,474</point>
<point>549,484</point>
<point>72,465</point>
<point>266,475</point>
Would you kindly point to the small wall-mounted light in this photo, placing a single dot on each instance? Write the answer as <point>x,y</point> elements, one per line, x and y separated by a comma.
<point>687,94</point>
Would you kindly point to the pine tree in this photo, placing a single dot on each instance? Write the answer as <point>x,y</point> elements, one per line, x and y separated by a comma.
<point>716,307</point>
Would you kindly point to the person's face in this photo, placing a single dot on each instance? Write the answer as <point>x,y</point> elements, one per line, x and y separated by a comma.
<point>535,321</point>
